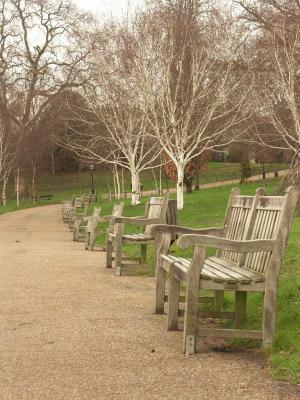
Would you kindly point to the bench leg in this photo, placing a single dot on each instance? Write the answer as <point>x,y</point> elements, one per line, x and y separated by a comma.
<point>173,302</point>
<point>75,233</point>
<point>109,250</point>
<point>240,308</point>
<point>92,241</point>
<point>219,300</point>
<point>160,290</point>
<point>192,301</point>
<point>269,314</point>
<point>143,254</point>
<point>118,256</point>
<point>87,241</point>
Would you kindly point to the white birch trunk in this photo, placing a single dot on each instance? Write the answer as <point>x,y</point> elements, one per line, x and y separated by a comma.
<point>114,179</point>
<point>4,187</point>
<point>155,182</point>
<point>180,186</point>
<point>33,179</point>
<point>135,187</point>
<point>118,186</point>
<point>53,162</point>
<point>18,187</point>
<point>123,187</point>
<point>160,181</point>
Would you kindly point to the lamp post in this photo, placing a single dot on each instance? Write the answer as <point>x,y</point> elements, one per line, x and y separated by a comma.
<point>92,167</point>
<point>263,170</point>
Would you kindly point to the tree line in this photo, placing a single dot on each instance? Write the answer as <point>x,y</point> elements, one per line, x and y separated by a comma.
<point>167,85</point>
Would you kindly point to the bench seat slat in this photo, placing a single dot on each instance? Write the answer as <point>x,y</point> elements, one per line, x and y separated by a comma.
<point>217,269</point>
<point>249,274</point>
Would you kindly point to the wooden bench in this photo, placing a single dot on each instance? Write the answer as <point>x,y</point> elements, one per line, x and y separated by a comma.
<point>92,228</point>
<point>39,197</point>
<point>67,210</point>
<point>250,249</point>
<point>81,224</point>
<point>156,211</point>
<point>79,210</point>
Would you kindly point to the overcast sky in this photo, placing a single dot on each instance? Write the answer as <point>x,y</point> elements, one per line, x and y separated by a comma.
<point>107,8</point>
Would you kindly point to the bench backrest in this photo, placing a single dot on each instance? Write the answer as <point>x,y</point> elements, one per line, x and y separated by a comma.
<point>272,219</point>
<point>93,220</point>
<point>116,212</point>
<point>259,217</point>
<point>237,218</point>
<point>92,197</point>
<point>86,200</point>
<point>78,202</point>
<point>156,207</point>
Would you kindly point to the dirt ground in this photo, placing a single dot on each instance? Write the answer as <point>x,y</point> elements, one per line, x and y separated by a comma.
<point>71,330</point>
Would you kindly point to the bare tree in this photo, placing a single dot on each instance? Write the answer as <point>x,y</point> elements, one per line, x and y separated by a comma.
<point>118,131</point>
<point>8,123</point>
<point>44,52</point>
<point>276,60</point>
<point>192,91</point>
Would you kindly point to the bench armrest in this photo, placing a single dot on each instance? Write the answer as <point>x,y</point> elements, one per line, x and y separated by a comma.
<point>135,220</point>
<point>240,246</point>
<point>182,230</point>
<point>108,218</point>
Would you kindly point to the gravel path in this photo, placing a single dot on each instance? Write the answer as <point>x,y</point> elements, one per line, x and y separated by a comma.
<point>70,330</point>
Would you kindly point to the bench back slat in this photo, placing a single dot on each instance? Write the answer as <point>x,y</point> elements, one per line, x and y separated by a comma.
<point>236,222</point>
<point>156,208</point>
<point>116,212</point>
<point>258,217</point>
<point>93,220</point>
<point>267,225</point>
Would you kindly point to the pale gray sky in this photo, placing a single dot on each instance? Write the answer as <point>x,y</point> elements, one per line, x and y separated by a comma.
<point>108,8</point>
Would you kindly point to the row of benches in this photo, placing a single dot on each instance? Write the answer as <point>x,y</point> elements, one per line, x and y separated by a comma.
<point>249,251</point>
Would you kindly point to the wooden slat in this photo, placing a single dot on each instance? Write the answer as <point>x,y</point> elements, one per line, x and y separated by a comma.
<point>229,333</point>
<point>251,287</point>
<point>202,299</point>
<point>253,276</point>
<point>220,275</point>
<point>218,270</point>
<point>235,275</point>
<point>211,314</point>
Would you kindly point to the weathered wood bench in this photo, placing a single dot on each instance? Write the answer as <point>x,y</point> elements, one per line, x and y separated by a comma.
<point>67,208</point>
<point>156,212</point>
<point>81,224</point>
<point>92,227</point>
<point>39,197</point>
<point>80,208</point>
<point>250,249</point>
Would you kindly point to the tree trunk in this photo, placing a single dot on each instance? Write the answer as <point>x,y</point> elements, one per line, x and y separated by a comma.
<point>135,188</point>
<point>155,182</point>
<point>160,181</point>
<point>189,185</point>
<point>122,183</point>
<point>114,179</point>
<point>117,183</point>
<point>18,187</point>
<point>4,187</point>
<point>53,162</point>
<point>197,181</point>
<point>292,178</point>
<point>33,179</point>
<point>179,186</point>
